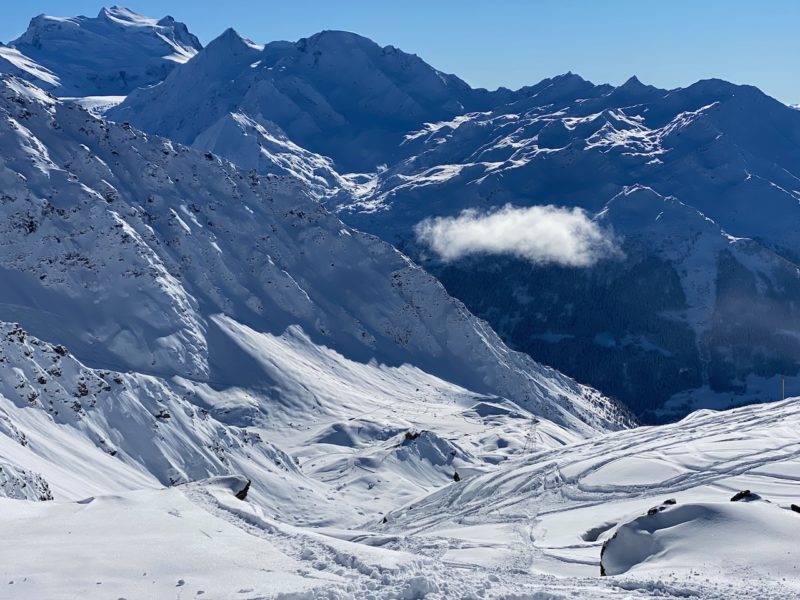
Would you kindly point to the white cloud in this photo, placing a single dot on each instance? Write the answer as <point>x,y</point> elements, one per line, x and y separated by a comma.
<point>540,234</point>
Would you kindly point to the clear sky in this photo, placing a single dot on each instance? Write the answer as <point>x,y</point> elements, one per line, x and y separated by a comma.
<point>489,43</point>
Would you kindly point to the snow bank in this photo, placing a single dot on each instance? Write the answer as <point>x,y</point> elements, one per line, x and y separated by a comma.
<point>758,540</point>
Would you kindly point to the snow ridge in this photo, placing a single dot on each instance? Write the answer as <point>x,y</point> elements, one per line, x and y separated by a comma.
<point>108,55</point>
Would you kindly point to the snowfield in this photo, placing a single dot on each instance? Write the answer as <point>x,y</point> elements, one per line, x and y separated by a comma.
<point>211,387</point>
<point>534,528</point>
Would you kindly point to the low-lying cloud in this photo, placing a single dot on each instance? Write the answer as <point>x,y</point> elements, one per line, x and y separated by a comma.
<point>540,234</point>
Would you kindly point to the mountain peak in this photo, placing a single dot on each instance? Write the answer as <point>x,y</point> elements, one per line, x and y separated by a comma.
<point>633,90</point>
<point>633,82</point>
<point>124,16</point>
<point>334,40</point>
<point>107,55</point>
<point>231,42</point>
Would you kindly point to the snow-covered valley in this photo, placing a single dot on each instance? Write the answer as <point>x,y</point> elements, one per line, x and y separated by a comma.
<point>214,383</point>
<point>534,528</point>
<point>726,152</point>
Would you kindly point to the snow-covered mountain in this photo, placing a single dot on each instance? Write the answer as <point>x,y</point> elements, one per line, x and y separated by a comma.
<point>335,93</point>
<point>715,148</point>
<point>179,318</point>
<point>108,55</point>
<point>211,386</point>
<point>727,153</point>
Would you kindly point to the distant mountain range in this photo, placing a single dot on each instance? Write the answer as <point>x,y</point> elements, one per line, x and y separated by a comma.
<point>699,187</point>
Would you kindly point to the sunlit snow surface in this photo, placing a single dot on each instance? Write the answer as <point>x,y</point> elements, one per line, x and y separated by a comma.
<point>220,326</point>
<point>180,319</point>
<point>531,529</point>
<point>112,53</point>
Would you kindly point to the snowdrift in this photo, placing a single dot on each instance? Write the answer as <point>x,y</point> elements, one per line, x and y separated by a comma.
<point>757,539</point>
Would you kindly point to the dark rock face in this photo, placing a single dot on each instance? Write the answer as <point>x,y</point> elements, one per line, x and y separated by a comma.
<point>663,506</point>
<point>242,494</point>
<point>616,326</point>
<point>745,496</point>
<point>410,436</point>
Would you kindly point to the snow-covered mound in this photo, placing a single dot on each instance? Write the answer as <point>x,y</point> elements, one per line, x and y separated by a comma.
<point>335,93</point>
<point>753,538</point>
<point>108,55</point>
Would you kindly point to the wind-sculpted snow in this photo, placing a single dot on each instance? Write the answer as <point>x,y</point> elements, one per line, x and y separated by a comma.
<point>108,55</point>
<point>552,512</point>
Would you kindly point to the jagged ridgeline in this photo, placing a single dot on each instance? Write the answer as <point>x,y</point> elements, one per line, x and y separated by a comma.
<point>656,325</point>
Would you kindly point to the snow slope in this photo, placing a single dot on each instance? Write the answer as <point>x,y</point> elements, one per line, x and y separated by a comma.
<point>533,528</point>
<point>201,541</point>
<point>754,539</point>
<point>108,55</point>
<point>552,511</point>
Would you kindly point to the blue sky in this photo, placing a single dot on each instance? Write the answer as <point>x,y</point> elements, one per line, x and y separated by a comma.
<point>517,42</point>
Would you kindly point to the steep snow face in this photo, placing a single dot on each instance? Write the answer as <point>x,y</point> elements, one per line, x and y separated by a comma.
<point>70,431</point>
<point>335,93</point>
<point>142,242</point>
<point>259,145</point>
<point>108,55</point>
